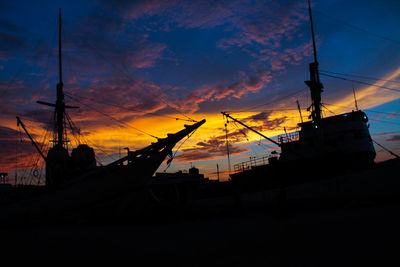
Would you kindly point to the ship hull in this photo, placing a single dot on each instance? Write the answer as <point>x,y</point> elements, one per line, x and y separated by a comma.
<point>293,172</point>
<point>79,199</point>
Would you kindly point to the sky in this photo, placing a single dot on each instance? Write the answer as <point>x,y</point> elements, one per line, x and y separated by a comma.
<point>139,69</point>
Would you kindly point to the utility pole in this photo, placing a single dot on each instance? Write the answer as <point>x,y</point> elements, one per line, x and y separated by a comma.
<point>218,172</point>
<point>227,146</point>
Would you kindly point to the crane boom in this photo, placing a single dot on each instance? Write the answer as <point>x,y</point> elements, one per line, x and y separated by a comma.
<point>251,129</point>
<point>19,122</point>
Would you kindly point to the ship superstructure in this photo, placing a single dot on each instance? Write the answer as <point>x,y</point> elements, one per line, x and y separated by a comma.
<point>337,142</point>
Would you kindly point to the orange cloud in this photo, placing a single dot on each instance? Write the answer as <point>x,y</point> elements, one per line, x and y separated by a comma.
<point>245,85</point>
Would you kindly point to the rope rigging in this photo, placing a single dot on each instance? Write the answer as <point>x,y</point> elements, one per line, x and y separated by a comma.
<point>370,110</point>
<point>77,135</point>
<point>32,171</point>
<point>359,76</point>
<point>396,113</point>
<point>111,117</point>
<point>386,149</point>
<point>275,101</point>
<point>240,130</point>
<point>245,135</point>
<point>361,82</point>
<point>324,15</point>
<point>247,138</point>
<point>176,151</point>
<point>108,103</point>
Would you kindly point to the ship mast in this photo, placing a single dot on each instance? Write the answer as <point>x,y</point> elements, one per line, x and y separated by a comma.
<point>60,105</point>
<point>314,83</point>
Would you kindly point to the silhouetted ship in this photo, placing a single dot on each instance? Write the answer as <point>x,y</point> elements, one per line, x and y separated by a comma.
<point>330,147</point>
<point>322,147</point>
<point>74,184</point>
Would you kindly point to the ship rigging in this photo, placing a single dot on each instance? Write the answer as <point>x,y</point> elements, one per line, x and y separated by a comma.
<point>62,167</point>
<point>337,142</point>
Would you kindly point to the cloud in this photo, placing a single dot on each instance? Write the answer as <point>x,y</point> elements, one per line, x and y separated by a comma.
<point>114,78</point>
<point>247,22</point>
<point>394,115</point>
<point>103,53</point>
<point>179,13</point>
<point>114,59</point>
<point>250,22</point>
<point>13,96</point>
<point>12,148</point>
<point>146,56</point>
<point>246,84</point>
<point>372,96</point>
<point>41,116</point>
<point>9,40</point>
<point>203,153</point>
<point>267,124</point>
<point>120,97</point>
<point>8,26</point>
<point>215,147</point>
<point>383,134</point>
<point>278,59</point>
<point>263,27</point>
<point>104,104</point>
<point>394,138</point>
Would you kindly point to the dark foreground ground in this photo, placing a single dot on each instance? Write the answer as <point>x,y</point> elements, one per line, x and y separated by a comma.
<point>350,220</point>
<point>364,234</point>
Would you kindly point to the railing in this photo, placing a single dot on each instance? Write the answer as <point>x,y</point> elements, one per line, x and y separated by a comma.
<point>290,137</point>
<point>247,165</point>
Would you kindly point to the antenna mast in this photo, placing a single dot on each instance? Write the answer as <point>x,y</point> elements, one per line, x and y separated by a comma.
<point>312,33</point>
<point>355,98</point>
<point>314,83</point>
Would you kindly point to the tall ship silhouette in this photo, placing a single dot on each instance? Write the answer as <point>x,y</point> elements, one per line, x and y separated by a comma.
<point>73,181</point>
<point>323,145</point>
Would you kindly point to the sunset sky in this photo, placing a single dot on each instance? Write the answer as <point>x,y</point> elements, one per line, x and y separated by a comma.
<point>139,69</point>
